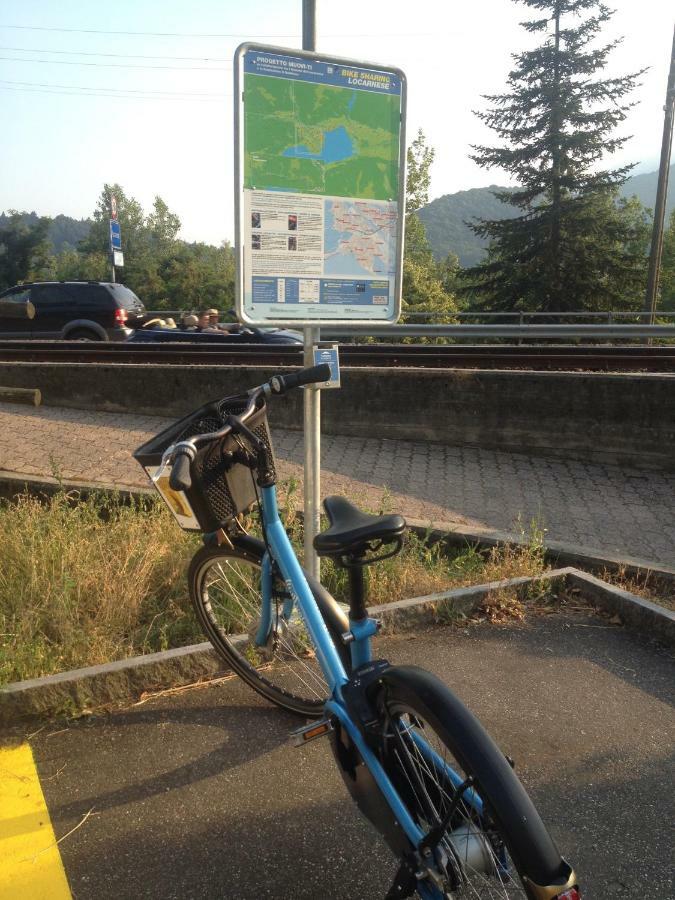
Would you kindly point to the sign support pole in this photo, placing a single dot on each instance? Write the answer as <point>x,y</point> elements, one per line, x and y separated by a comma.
<point>312,395</point>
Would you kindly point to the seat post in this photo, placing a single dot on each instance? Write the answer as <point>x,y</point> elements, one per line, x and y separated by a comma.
<point>357,587</point>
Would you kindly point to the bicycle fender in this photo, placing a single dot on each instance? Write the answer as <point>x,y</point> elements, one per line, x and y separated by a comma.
<point>531,845</point>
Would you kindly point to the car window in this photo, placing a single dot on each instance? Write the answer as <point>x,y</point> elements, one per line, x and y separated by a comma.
<point>126,297</point>
<point>87,296</point>
<point>18,295</point>
<point>48,295</point>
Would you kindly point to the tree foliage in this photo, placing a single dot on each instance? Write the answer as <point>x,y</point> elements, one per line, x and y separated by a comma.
<point>423,286</point>
<point>573,245</point>
<point>24,249</point>
<point>667,281</point>
<point>165,272</point>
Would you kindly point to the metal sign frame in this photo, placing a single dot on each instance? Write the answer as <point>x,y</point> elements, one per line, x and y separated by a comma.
<point>322,316</point>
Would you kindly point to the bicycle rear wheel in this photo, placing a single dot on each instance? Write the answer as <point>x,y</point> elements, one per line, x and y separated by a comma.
<point>489,839</point>
<point>226,593</point>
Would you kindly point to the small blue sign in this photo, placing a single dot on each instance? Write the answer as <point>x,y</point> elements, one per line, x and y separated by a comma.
<point>115,235</point>
<point>330,356</point>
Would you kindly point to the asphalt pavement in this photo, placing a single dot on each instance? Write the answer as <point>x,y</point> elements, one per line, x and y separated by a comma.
<point>199,794</point>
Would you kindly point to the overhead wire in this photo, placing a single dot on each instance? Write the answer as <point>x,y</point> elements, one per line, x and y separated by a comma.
<point>108,96</point>
<point>67,62</point>
<point>81,87</point>
<point>114,55</point>
<point>188,34</point>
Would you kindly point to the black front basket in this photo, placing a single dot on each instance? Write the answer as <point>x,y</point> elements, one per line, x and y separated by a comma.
<point>221,488</point>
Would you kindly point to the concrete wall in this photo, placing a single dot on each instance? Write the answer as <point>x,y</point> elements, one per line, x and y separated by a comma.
<point>629,419</point>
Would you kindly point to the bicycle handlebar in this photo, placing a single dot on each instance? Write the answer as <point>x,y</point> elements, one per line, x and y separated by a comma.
<point>314,375</point>
<point>181,455</point>
<point>180,478</point>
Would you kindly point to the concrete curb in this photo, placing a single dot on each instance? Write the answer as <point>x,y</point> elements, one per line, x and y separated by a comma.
<point>635,612</point>
<point>556,552</point>
<point>13,483</point>
<point>123,680</point>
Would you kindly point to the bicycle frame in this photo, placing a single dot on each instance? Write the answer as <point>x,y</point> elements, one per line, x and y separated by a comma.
<point>329,660</point>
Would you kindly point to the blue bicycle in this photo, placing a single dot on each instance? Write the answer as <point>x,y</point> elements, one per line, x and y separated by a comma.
<point>418,764</point>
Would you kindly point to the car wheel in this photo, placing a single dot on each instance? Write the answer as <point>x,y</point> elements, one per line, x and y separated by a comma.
<point>82,334</point>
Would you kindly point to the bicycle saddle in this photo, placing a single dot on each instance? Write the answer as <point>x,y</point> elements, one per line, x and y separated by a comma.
<point>350,528</point>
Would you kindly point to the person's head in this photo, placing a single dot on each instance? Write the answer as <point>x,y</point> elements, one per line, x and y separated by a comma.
<point>204,319</point>
<point>213,316</point>
<point>190,321</point>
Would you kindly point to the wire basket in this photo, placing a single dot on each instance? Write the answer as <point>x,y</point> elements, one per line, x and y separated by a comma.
<point>222,486</point>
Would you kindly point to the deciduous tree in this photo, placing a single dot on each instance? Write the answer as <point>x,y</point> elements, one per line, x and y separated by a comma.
<point>423,287</point>
<point>24,249</point>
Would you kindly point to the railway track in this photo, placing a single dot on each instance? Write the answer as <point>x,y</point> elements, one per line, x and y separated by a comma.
<point>644,358</point>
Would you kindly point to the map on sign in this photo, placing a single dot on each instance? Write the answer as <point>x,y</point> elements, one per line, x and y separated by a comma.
<point>360,238</point>
<point>320,140</point>
<point>320,209</point>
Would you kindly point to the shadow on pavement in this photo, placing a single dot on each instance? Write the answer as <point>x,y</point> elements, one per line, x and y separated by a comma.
<point>242,734</point>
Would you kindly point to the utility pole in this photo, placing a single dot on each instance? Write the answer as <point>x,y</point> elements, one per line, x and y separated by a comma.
<point>661,193</point>
<point>312,395</point>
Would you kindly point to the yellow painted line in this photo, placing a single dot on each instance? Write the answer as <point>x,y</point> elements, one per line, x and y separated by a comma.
<point>30,862</point>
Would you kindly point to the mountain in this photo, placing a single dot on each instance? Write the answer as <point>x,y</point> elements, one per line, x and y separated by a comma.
<point>444,220</point>
<point>644,188</point>
<point>445,217</point>
<point>63,232</point>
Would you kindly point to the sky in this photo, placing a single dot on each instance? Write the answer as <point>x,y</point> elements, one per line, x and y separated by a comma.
<point>139,92</point>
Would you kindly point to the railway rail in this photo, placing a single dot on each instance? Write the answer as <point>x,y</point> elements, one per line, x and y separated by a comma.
<point>646,358</point>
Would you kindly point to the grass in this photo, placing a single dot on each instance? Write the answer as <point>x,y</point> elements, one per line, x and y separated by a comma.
<point>646,585</point>
<point>423,567</point>
<point>88,580</point>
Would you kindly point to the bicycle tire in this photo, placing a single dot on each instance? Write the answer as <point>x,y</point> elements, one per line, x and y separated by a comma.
<point>412,702</point>
<point>224,586</point>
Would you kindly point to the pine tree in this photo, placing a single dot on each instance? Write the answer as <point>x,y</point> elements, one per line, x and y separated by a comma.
<point>573,246</point>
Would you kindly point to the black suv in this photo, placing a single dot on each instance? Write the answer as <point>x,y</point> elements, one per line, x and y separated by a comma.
<point>72,310</point>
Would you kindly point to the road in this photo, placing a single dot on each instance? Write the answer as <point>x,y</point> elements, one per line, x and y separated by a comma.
<point>199,794</point>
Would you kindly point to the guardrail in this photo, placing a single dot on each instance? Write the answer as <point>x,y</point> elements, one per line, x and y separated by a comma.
<point>610,330</point>
<point>609,316</point>
<point>593,332</point>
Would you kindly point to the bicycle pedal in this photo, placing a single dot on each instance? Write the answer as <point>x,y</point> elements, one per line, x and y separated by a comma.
<point>306,733</point>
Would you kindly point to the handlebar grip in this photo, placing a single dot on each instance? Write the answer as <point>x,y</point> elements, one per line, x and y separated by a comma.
<point>314,375</point>
<point>180,478</point>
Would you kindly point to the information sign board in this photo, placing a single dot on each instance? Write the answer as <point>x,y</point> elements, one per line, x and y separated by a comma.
<point>320,178</point>
<point>115,235</point>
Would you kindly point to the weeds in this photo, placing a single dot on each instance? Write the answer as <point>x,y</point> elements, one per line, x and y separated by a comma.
<point>89,580</point>
<point>645,585</point>
<point>85,581</point>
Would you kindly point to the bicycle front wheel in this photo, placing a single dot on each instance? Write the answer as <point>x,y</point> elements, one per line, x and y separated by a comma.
<point>487,839</point>
<point>226,593</point>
